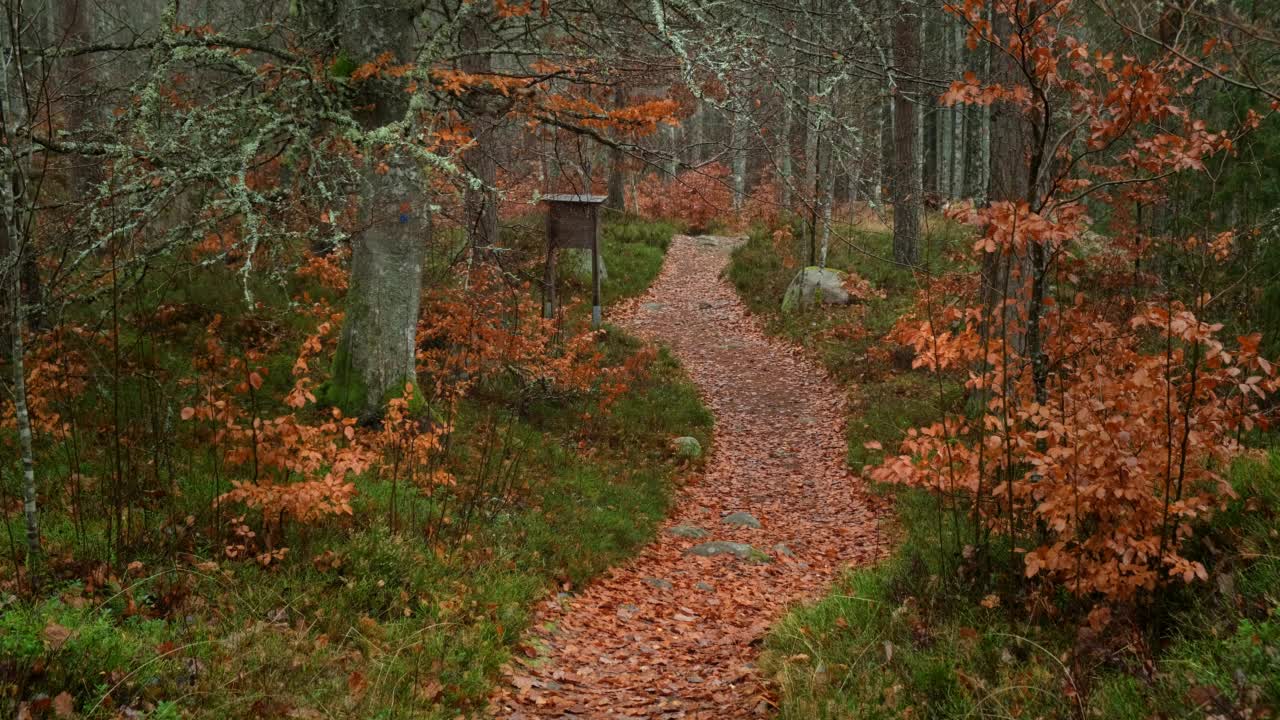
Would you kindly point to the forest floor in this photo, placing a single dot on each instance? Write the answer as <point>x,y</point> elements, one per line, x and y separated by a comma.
<point>675,633</point>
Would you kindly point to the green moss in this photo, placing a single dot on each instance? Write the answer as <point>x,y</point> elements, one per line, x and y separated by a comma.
<point>343,65</point>
<point>423,592</point>
<point>416,402</point>
<point>344,389</point>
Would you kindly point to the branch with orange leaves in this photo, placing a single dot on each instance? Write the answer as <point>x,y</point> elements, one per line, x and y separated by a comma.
<point>1253,85</point>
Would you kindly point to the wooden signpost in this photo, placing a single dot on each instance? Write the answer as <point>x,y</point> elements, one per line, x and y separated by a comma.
<point>573,221</point>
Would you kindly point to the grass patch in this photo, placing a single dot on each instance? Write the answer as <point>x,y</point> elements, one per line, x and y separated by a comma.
<point>366,616</point>
<point>896,641</point>
<point>911,636</point>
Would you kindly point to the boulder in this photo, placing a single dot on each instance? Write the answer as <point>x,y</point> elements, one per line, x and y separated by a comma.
<point>741,519</point>
<point>815,285</point>
<point>687,448</point>
<point>688,531</point>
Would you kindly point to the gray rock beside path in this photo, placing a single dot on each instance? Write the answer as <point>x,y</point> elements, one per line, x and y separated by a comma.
<point>687,448</point>
<point>814,285</point>
<point>688,531</point>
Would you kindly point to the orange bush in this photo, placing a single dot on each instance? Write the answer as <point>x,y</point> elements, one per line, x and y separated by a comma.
<point>1115,465</point>
<point>1100,424</point>
<point>697,197</point>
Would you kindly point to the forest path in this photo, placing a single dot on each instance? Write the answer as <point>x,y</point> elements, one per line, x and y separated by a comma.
<point>672,634</point>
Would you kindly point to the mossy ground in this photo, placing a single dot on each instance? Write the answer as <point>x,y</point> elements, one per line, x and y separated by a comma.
<point>911,638</point>
<point>360,620</point>
<point>901,640</point>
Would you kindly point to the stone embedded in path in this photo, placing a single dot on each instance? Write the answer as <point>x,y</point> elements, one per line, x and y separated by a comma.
<point>704,587</point>
<point>688,531</point>
<point>783,550</point>
<point>687,448</point>
<point>742,551</point>
<point>659,583</point>
<point>741,519</point>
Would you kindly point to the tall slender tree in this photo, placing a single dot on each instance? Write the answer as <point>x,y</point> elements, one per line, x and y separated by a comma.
<point>906,151</point>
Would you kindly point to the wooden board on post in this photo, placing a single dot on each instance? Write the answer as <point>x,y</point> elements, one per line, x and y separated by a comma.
<point>573,221</point>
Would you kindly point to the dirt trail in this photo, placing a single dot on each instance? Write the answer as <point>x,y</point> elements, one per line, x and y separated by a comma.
<point>675,635</point>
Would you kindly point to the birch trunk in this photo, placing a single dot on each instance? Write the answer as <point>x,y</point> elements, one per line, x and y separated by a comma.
<point>22,415</point>
<point>14,95</point>
<point>737,142</point>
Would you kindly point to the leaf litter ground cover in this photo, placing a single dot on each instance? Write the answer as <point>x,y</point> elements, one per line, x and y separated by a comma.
<point>674,633</point>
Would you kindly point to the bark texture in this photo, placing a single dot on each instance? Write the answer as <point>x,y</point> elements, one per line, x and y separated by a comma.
<point>376,354</point>
<point>480,203</point>
<point>906,152</point>
<point>617,188</point>
<point>738,143</point>
<point>1006,275</point>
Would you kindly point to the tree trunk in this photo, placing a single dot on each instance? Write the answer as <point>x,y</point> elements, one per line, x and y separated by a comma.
<point>960,150</point>
<point>826,184</point>
<point>673,160</point>
<point>11,243</point>
<point>696,135</point>
<point>1006,275</point>
<point>811,130</point>
<point>884,181</point>
<point>376,355</point>
<point>76,78</point>
<point>929,145</point>
<point>480,202</point>
<point>784,147</point>
<point>738,142</point>
<point>617,190</point>
<point>16,201</point>
<point>906,178</point>
<point>30,512</point>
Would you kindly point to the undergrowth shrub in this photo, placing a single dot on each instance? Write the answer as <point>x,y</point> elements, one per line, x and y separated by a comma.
<point>699,197</point>
<point>655,233</point>
<point>84,651</point>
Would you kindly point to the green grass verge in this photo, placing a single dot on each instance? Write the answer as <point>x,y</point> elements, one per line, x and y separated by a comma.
<point>884,401</point>
<point>360,621</point>
<point>909,638</point>
<point>894,641</point>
